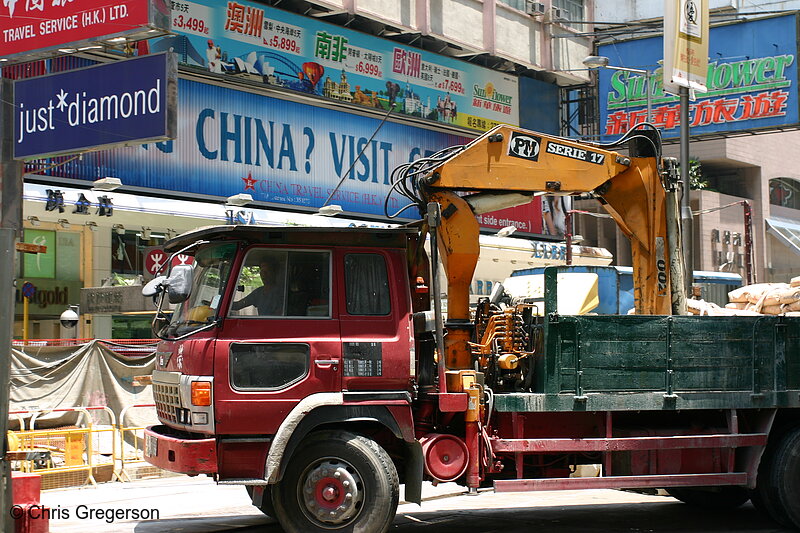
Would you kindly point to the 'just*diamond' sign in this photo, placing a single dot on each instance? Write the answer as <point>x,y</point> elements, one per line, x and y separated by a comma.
<point>113,104</point>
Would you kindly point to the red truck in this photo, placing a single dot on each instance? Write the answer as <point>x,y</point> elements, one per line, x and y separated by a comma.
<point>314,365</point>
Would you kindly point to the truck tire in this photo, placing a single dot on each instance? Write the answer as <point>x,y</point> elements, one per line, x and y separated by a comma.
<point>726,497</point>
<point>765,495</point>
<point>337,481</point>
<point>786,477</point>
<point>266,506</point>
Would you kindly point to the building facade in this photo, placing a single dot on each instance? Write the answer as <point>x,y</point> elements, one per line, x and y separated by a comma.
<point>283,104</point>
<point>743,131</point>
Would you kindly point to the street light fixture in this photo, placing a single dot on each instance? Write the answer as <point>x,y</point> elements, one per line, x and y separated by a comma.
<point>238,200</point>
<point>106,184</point>
<point>329,210</point>
<point>602,62</point>
<point>506,231</point>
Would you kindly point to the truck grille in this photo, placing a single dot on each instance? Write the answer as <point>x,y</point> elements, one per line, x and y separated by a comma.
<point>168,401</point>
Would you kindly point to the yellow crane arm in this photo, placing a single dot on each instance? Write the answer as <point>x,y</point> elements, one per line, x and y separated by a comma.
<point>507,161</point>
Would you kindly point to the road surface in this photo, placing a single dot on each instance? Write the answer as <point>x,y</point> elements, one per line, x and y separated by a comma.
<point>197,505</point>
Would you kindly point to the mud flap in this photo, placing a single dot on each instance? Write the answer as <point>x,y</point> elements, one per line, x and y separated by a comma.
<point>413,473</point>
<point>258,495</point>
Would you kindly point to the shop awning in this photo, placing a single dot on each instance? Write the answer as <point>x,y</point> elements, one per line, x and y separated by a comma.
<point>786,231</point>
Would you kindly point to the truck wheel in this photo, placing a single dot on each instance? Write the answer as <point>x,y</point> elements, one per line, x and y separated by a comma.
<point>727,497</point>
<point>765,495</point>
<point>787,477</point>
<point>266,506</point>
<point>337,481</point>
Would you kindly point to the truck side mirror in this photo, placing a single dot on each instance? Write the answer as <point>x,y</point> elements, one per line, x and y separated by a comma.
<point>154,286</point>
<point>179,283</point>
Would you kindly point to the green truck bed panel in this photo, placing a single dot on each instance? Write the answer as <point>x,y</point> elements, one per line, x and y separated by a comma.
<point>664,362</point>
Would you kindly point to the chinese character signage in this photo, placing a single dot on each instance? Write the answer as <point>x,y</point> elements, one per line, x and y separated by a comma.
<point>270,46</point>
<point>685,44</point>
<point>283,153</point>
<point>751,80</point>
<point>106,105</point>
<point>29,27</point>
<point>104,206</point>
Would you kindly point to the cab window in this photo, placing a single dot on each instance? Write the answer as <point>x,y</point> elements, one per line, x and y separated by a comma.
<point>366,284</point>
<point>267,366</point>
<point>283,283</point>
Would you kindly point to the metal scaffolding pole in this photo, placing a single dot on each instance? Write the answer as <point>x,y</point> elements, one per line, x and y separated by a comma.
<point>10,225</point>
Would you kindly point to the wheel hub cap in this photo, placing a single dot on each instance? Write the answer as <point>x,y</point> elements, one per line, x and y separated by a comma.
<point>332,492</point>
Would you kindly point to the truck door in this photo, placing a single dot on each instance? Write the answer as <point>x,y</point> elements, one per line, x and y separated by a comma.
<point>375,320</point>
<point>280,341</point>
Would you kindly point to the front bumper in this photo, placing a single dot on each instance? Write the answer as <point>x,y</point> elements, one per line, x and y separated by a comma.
<point>179,452</point>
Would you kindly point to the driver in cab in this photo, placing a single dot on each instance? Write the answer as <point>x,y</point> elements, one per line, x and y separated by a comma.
<point>267,299</point>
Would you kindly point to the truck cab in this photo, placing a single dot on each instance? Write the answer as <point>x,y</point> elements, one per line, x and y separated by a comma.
<point>279,322</point>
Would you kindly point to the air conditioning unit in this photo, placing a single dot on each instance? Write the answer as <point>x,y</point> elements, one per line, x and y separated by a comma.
<point>557,14</point>
<point>534,8</point>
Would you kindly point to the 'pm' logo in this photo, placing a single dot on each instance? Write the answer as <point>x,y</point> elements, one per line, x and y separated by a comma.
<point>524,146</point>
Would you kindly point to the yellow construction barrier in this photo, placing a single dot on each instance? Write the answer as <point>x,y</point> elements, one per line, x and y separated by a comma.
<point>136,434</point>
<point>76,456</point>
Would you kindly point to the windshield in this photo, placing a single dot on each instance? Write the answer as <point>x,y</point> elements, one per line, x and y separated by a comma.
<point>211,269</point>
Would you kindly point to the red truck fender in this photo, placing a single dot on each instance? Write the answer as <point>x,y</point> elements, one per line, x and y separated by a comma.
<point>327,408</point>
<point>289,425</point>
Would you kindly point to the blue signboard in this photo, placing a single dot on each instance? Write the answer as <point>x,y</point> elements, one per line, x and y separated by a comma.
<point>112,104</point>
<point>752,82</point>
<point>276,150</point>
<point>265,45</point>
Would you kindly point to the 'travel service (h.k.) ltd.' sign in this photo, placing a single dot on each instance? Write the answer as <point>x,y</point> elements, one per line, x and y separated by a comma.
<point>39,28</point>
<point>114,104</point>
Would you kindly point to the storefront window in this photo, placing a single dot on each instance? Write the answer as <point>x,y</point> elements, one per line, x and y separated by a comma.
<point>128,253</point>
<point>131,327</point>
<point>784,192</point>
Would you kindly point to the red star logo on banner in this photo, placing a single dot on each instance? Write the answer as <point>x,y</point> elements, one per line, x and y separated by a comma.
<point>249,182</point>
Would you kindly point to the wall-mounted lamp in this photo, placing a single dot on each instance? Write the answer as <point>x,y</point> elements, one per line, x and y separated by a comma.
<point>107,184</point>
<point>146,233</point>
<point>239,199</point>
<point>119,229</point>
<point>92,226</point>
<point>34,221</point>
<point>329,210</point>
<point>64,223</point>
